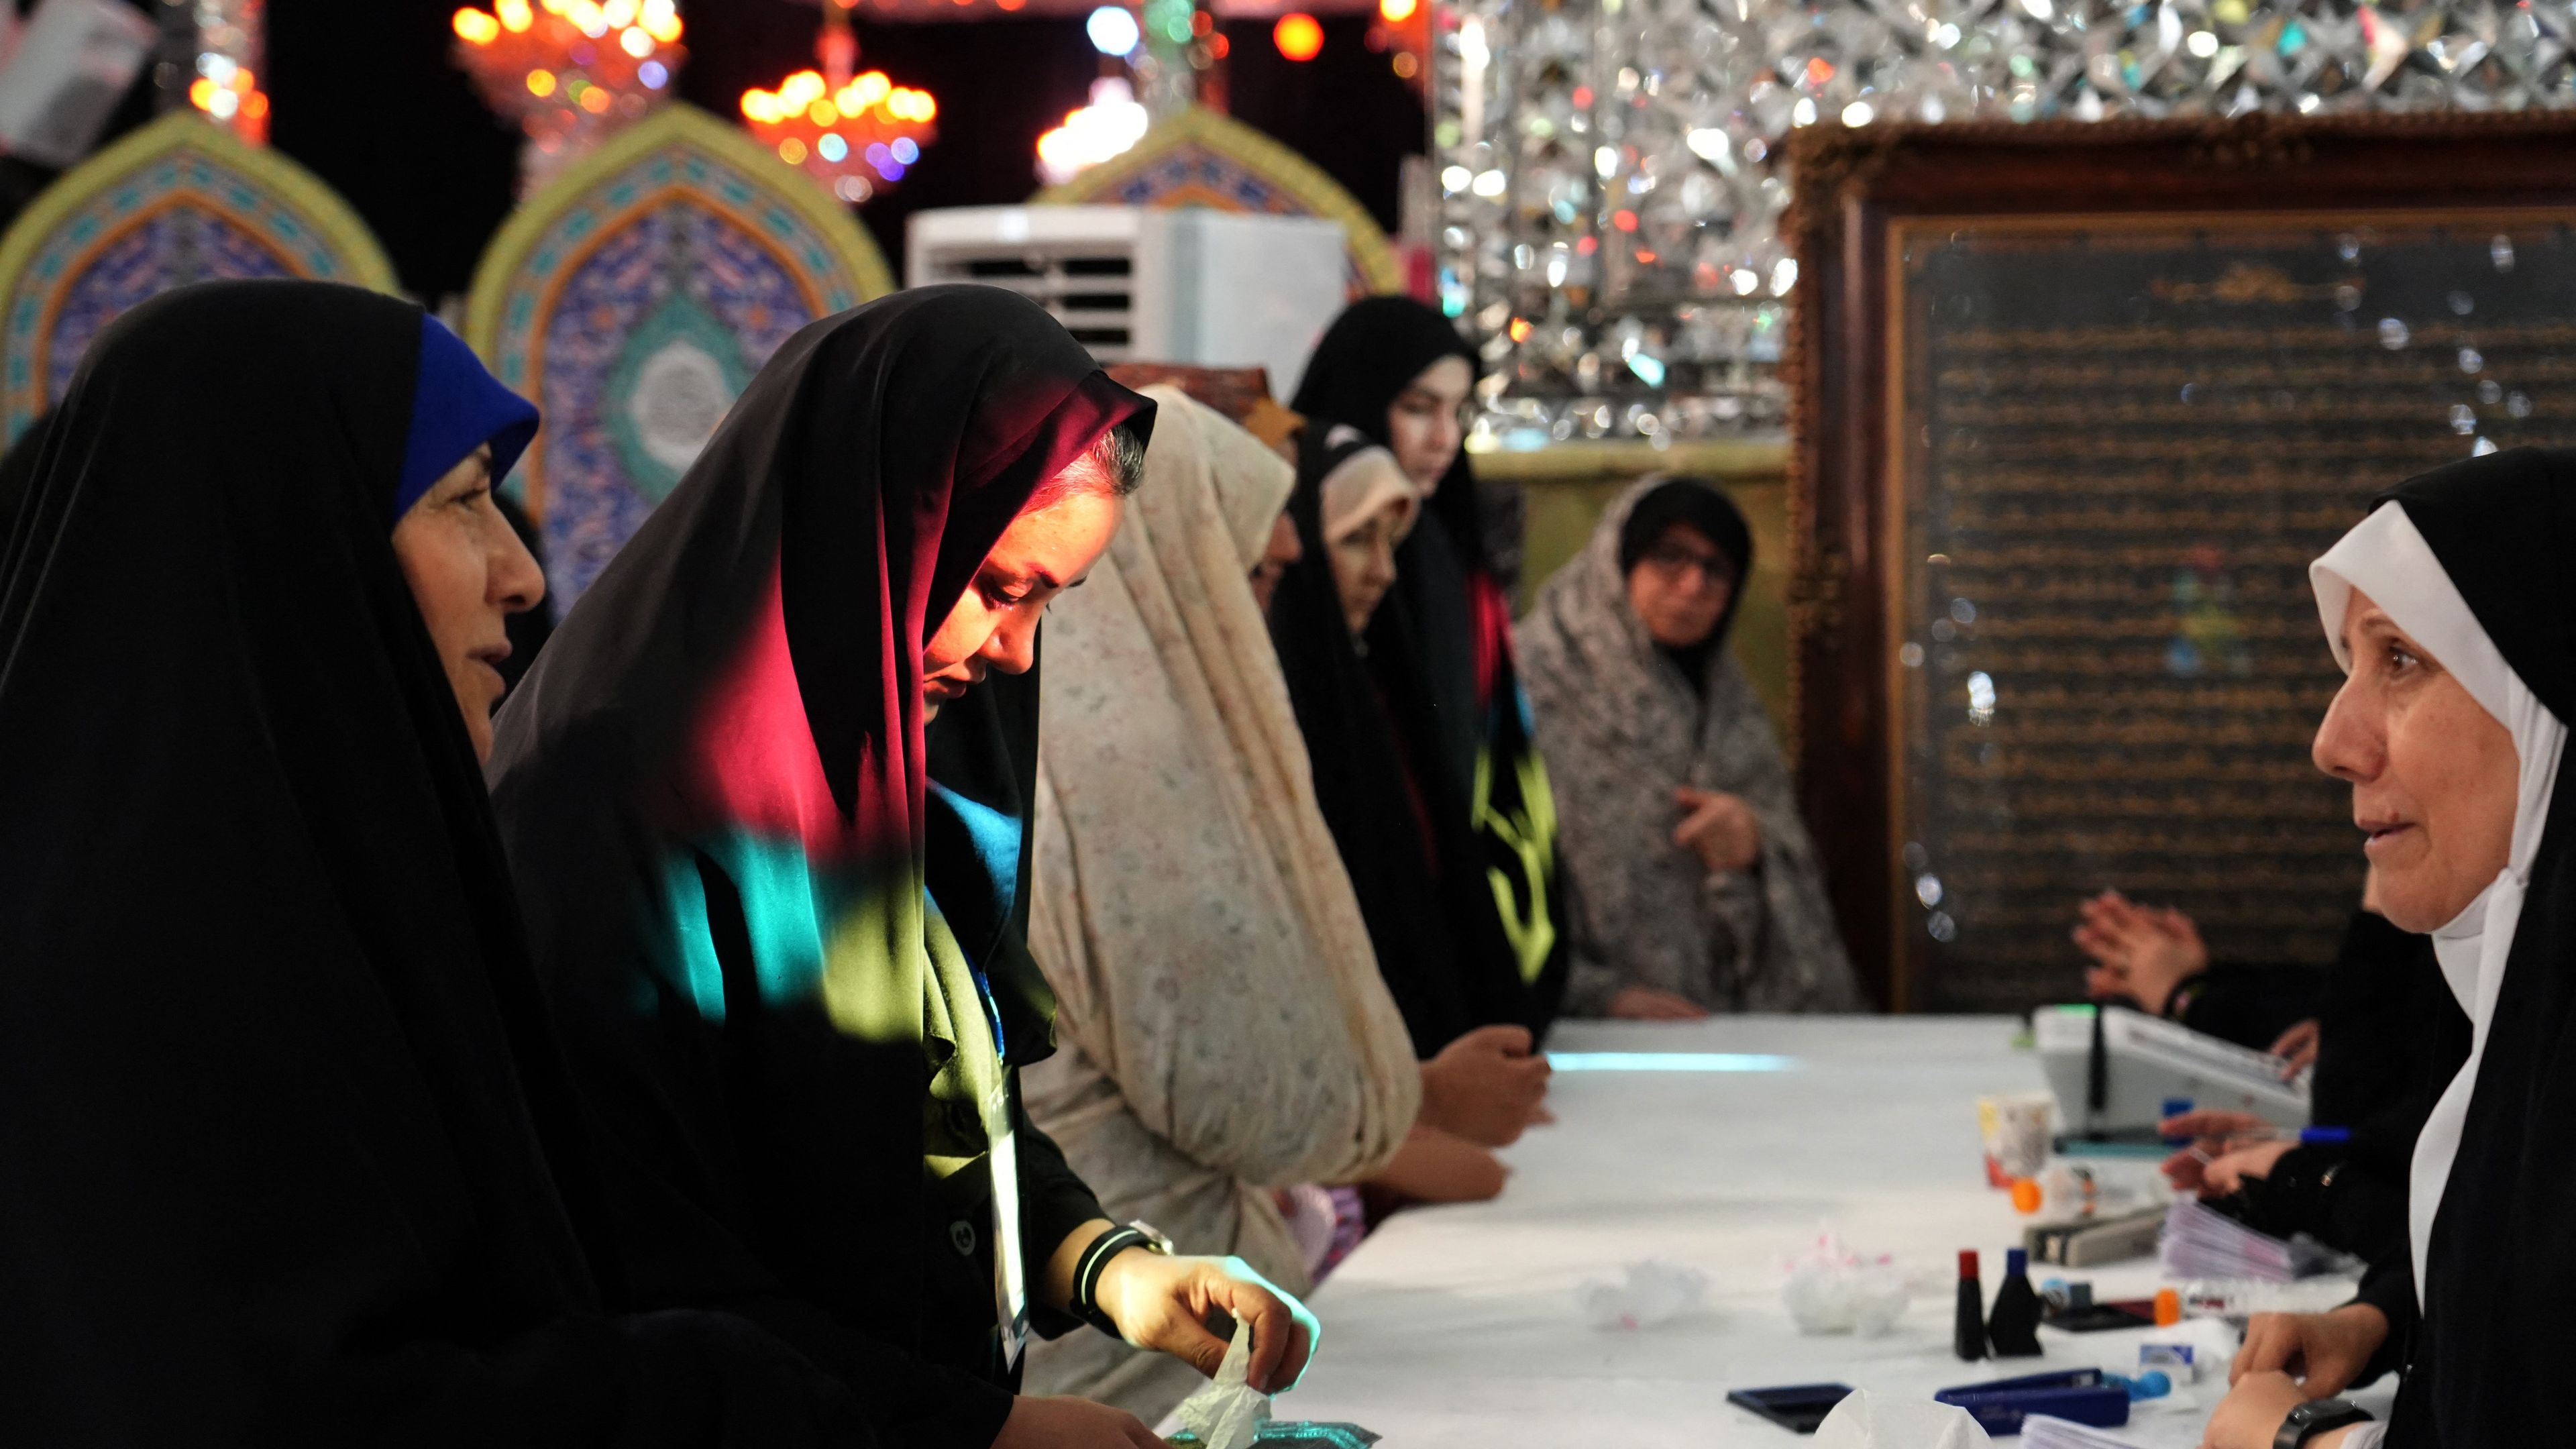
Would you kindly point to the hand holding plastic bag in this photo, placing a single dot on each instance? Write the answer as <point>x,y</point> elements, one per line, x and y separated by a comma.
<point>1229,1411</point>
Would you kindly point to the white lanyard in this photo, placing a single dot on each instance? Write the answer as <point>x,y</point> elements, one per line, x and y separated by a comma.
<point>1010,1279</point>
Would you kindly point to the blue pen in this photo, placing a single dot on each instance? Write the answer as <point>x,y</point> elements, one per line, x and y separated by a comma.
<point>2304,1136</point>
<point>2175,1107</point>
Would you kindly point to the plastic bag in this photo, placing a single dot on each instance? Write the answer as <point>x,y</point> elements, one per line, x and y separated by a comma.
<point>1834,1290</point>
<point>1229,1411</point>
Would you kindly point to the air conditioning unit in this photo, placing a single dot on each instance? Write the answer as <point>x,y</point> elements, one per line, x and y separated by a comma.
<point>69,66</point>
<point>1211,288</point>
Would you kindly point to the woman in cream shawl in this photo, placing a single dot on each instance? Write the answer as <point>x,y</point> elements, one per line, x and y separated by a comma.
<point>1224,1028</point>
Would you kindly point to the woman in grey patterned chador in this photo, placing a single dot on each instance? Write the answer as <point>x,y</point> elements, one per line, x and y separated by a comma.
<point>1694,883</point>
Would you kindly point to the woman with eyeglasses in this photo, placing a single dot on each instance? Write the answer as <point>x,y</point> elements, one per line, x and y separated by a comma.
<point>1697,888</point>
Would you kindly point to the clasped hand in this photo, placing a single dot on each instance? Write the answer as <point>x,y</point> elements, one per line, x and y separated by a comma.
<point>1720,829</point>
<point>1486,1086</point>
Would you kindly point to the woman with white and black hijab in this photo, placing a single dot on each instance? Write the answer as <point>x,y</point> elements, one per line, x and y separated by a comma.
<point>2452,611</point>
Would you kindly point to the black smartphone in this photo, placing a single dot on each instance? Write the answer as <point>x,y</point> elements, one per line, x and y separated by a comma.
<point>1798,1408</point>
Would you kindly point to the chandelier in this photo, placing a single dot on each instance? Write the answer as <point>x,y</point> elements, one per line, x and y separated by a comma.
<point>570,71</point>
<point>1108,127</point>
<point>854,133</point>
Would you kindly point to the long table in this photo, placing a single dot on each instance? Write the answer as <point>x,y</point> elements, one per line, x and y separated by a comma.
<point>1721,1145</point>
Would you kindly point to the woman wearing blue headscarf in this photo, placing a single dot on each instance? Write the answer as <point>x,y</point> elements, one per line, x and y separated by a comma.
<point>291,1157</point>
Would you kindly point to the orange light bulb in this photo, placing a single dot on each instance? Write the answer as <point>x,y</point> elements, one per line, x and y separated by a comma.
<point>1298,35</point>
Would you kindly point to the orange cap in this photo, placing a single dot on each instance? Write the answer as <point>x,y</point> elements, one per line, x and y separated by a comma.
<point>2168,1308</point>
<point>2026,1195</point>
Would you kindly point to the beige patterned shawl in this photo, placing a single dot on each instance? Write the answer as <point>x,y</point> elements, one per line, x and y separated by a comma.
<point>1620,728</point>
<point>1225,1029</point>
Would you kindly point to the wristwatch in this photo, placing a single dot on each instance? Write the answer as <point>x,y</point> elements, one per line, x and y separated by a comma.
<point>1086,1269</point>
<point>2315,1417</point>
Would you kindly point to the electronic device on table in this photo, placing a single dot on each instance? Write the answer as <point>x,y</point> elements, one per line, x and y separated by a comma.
<point>2113,1070</point>
<point>1799,1408</point>
<point>2089,1241</point>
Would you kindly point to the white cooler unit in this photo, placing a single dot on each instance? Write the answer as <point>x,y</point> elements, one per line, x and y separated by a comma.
<point>1211,288</point>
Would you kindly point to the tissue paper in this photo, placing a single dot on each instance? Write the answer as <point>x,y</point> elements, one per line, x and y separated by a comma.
<point>1229,1411</point>
<point>1653,1291</point>
<point>1872,1421</point>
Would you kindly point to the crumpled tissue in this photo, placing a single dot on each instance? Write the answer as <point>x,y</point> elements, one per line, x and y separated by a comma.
<point>1653,1291</point>
<point>1229,1411</point>
<point>1834,1290</point>
<point>1874,1421</point>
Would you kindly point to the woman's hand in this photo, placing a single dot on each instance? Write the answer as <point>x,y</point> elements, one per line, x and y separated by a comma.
<point>1433,1166</point>
<point>2229,1171</point>
<point>1047,1423</point>
<point>2326,1351</point>
<point>1647,1003</point>
<point>2298,1047</point>
<point>1721,830</point>
<point>1163,1303</point>
<point>2252,1412</point>
<point>2139,953</point>
<point>1486,1086</point>
<point>2213,1132</point>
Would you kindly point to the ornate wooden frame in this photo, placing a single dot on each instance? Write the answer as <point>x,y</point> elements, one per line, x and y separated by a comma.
<point>1852,185</point>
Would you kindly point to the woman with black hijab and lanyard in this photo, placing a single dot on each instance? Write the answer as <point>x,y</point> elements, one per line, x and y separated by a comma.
<point>289,1144</point>
<point>2450,608</point>
<point>1439,655</point>
<point>782,918</point>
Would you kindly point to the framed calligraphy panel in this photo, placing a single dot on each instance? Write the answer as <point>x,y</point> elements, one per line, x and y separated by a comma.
<point>2074,406</point>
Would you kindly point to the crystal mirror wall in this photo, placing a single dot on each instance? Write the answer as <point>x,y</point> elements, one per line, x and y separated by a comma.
<point>1611,182</point>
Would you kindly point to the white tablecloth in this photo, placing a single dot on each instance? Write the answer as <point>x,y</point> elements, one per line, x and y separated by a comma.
<point>1457,1327</point>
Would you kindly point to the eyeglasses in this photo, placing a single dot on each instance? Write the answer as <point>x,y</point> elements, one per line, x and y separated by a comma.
<point>1674,560</point>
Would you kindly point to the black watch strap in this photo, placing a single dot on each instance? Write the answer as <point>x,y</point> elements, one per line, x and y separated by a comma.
<point>1086,1270</point>
<point>2315,1417</point>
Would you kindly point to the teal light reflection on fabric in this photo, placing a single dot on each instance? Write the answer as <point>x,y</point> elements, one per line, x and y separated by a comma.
<point>1670,1062</point>
<point>784,913</point>
<point>700,974</point>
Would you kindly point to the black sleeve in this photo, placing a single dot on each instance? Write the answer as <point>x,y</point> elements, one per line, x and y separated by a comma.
<point>695,1258</point>
<point>2391,1290</point>
<point>2248,1005</point>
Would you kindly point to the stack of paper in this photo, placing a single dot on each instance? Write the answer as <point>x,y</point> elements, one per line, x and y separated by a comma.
<point>2200,1242</point>
<point>2039,1431</point>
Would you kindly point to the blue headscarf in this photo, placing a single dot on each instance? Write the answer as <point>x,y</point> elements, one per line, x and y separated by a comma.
<point>457,407</point>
